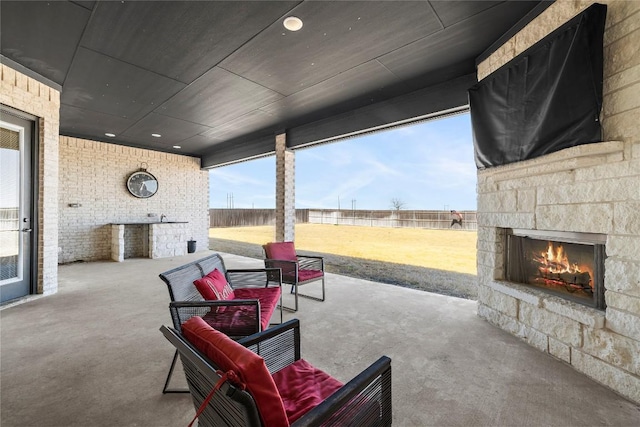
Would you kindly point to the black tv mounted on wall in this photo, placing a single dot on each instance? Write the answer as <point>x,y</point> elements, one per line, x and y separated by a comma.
<point>546,99</point>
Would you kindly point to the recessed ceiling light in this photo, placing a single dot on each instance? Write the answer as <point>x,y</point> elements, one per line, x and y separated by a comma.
<point>156,135</point>
<point>292,23</point>
<point>177,146</point>
<point>110,135</point>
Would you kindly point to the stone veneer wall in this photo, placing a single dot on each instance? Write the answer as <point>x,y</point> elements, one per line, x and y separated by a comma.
<point>94,174</point>
<point>590,188</point>
<point>26,94</point>
<point>285,191</point>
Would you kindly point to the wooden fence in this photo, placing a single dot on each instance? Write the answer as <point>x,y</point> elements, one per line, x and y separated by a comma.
<point>249,217</point>
<point>368,218</point>
<point>392,218</point>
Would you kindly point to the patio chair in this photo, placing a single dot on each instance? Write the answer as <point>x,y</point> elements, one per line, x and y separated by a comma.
<point>261,380</point>
<point>297,270</point>
<point>256,294</point>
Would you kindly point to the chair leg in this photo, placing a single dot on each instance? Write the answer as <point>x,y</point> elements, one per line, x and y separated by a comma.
<point>316,298</point>
<point>281,307</point>
<point>294,291</point>
<point>166,383</point>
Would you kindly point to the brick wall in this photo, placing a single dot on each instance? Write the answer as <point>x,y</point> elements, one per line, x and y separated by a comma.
<point>26,94</point>
<point>590,188</point>
<point>93,174</point>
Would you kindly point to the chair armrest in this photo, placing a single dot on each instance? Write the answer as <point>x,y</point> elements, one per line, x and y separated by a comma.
<point>278,345</point>
<point>365,397</point>
<point>288,268</point>
<point>254,278</point>
<point>181,311</point>
<point>308,262</point>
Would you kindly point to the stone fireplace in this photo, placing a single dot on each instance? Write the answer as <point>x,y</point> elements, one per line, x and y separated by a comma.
<point>568,265</point>
<point>590,190</point>
<point>583,200</point>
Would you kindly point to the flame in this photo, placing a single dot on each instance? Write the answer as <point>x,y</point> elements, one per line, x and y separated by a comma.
<point>554,261</point>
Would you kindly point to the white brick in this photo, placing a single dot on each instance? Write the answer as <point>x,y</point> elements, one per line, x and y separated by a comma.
<point>498,319</point>
<point>591,218</point>
<point>623,302</point>
<point>622,276</point>
<point>623,382</point>
<point>613,348</point>
<point>498,301</point>
<point>527,294</point>
<point>585,315</point>
<point>623,246</point>
<point>562,328</point>
<point>623,323</point>
<point>560,350</point>
<point>626,216</point>
<point>85,161</point>
<point>603,190</point>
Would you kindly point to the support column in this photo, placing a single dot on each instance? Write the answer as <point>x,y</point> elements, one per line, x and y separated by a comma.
<point>285,191</point>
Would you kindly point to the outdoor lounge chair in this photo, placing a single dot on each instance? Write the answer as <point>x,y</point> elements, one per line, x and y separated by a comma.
<point>297,270</point>
<point>256,296</point>
<point>261,380</point>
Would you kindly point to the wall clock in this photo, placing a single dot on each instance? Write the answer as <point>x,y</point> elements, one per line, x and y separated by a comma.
<point>142,184</point>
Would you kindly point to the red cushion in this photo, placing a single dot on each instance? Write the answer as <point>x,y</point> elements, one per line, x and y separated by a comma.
<point>304,275</point>
<point>235,321</point>
<point>268,297</point>
<point>228,355</point>
<point>303,387</point>
<point>281,250</point>
<point>214,286</point>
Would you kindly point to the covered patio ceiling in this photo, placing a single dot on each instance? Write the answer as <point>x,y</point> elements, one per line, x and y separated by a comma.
<point>220,78</point>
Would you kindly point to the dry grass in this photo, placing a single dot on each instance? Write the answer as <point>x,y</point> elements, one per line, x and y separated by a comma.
<point>449,250</point>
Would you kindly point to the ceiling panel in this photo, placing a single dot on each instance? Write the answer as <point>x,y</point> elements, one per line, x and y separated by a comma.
<point>100,83</point>
<point>454,45</point>
<point>371,81</point>
<point>42,36</point>
<point>171,130</point>
<point>250,122</point>
<point>217,98</point>
<point>84,123</point>
<point>451,12</point>
<point>86,4</point>
<point>336,37</point>
<point>197,144</point>
<point>154,36</point>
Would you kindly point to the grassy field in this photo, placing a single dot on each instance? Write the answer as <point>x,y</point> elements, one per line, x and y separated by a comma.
<point>449,250</point>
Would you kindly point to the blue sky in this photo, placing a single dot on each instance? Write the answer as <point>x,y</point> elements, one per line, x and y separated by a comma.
<point>427,166</point>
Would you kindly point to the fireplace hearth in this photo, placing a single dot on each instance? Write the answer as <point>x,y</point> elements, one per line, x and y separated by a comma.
<point>565,264</point>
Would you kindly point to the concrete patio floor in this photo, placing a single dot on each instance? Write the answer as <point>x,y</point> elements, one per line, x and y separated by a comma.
<point>92,355</point>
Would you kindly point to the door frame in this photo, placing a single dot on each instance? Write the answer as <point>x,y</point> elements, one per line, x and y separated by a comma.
<point>34,212</point>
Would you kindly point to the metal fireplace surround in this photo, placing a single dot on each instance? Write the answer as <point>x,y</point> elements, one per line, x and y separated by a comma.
<point>566,264</point>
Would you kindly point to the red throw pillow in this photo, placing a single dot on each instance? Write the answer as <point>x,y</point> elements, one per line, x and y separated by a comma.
<point>228,355</point>
<point>214,286</point>
<point>281,250</point>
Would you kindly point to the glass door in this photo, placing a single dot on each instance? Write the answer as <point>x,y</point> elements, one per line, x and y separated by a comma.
<point>15,206</point>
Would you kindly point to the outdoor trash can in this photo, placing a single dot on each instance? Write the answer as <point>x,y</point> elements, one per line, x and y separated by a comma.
<point>191,246</point>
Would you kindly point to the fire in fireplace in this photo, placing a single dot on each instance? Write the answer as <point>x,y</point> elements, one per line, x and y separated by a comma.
<point>569,265</point>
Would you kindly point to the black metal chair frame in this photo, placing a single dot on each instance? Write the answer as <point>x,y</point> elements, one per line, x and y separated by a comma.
<point>304,262</point>
<point>187,302</point>
<point>363,401</point>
